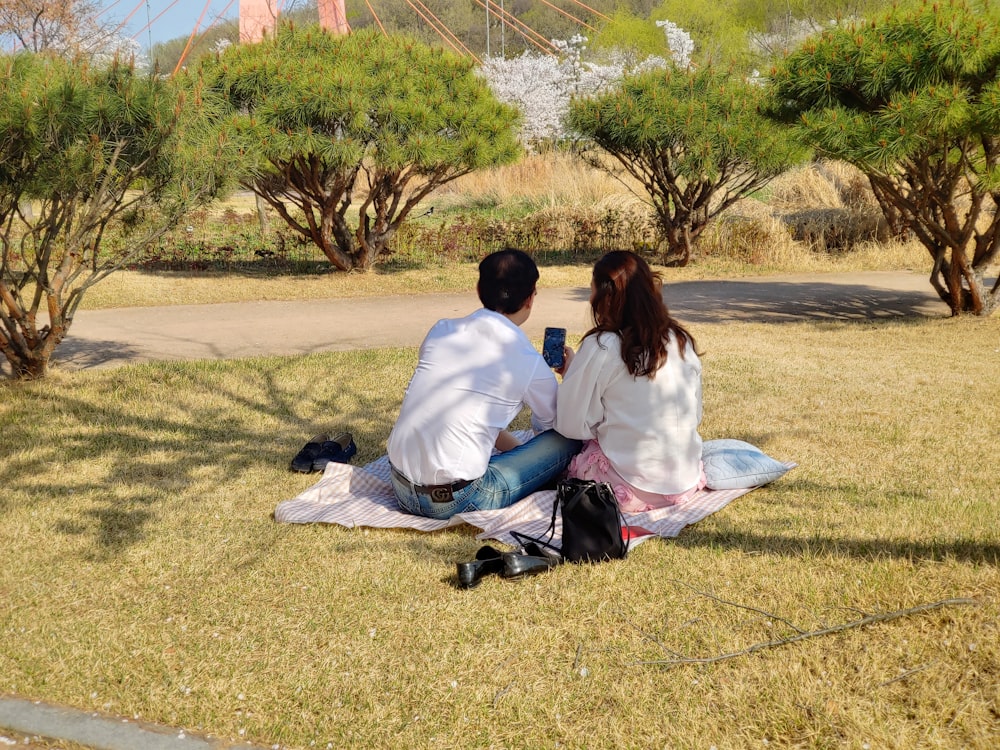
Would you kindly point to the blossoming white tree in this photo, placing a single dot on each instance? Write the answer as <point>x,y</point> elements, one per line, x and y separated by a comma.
<point>541,85</point>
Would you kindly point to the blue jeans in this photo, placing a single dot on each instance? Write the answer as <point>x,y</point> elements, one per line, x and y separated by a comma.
<point>510,476</point>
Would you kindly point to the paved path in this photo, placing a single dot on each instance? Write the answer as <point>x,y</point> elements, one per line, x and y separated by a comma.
<point>106,338</point>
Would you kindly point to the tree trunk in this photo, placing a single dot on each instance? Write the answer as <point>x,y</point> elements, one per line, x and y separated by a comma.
<point>963,288</point>
<point>26,362</point>
<point>896,222</point>
<point>26,348</point>
<point>372,243</point>
<point>678,250</point>
<point>31,369</point>
<point>958,283</point>
<point>265,225</point>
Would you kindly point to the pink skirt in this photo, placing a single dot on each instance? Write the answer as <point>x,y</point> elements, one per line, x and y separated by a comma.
<point>591,463</point>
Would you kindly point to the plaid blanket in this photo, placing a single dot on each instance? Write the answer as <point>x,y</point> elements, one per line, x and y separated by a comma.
<point>362,496</point>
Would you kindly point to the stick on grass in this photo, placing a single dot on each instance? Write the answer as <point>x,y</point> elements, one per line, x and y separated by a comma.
<point>864,621</point>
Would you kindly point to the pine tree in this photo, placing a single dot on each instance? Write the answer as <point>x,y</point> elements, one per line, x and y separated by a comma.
<point>106,160</point>
<point>912,98</point>
<point>347,134</point>
<point>695,141</point>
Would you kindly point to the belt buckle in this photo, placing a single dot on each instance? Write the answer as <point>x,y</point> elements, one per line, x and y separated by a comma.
<point>442,494</point>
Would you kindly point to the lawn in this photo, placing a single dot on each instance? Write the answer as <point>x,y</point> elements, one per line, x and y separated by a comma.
<point>142,575</point>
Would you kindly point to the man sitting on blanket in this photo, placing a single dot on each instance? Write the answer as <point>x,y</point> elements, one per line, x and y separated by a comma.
<point>473,376</point>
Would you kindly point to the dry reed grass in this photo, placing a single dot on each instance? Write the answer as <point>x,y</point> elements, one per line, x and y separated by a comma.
<point>821,215</point>
<point>806,187</point>
<point>142,575</point>
<point>540,181</point>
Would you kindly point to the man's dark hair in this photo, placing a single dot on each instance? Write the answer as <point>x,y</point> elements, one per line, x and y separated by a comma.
<point>507,279</point>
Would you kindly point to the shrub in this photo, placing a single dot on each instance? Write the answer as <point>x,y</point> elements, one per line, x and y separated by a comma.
<point>753,239</point>
<point>836,230</point>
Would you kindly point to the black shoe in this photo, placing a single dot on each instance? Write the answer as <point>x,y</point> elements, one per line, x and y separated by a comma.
<point>339,450</point>
<point>517,564</point>
<point>488,560</point>
<point>303,461</point>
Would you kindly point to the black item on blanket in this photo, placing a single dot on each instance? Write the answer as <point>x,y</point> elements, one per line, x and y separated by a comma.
<point>591,522</point>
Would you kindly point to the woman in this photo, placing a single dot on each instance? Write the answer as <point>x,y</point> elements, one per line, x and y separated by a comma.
<point>633,391</point>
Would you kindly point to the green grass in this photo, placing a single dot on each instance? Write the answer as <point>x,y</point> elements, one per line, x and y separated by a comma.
<point>141,573</point>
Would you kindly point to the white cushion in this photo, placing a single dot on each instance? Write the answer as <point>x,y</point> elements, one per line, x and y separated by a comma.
<point>734,464</point>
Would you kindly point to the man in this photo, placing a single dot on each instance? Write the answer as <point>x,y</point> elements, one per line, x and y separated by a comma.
<point>473,376</point>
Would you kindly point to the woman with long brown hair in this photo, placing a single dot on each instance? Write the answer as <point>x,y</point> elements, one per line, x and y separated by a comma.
<point>633,391</point>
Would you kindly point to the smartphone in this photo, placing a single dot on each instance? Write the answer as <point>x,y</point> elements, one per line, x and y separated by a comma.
<point>552,347</point>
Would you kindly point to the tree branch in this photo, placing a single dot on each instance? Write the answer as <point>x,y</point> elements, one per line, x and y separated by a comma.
<point>801,636</point>
<point>740,606</point>
<point>904,675</point>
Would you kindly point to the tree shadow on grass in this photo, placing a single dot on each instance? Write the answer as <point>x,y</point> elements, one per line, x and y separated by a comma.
<point>147,459</point>
<point>817,545</point>
<point>254,269</point>
<point>117,528</point>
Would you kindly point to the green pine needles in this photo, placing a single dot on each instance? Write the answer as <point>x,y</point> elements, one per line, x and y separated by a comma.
<point>345,135</point>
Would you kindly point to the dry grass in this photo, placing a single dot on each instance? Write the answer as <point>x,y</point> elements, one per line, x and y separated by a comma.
<point>131,288</point>
<point>142,575</point>
<point>808,186</point>
<point>735,247</point>
<point>540,181</point>
<point>816,217</point>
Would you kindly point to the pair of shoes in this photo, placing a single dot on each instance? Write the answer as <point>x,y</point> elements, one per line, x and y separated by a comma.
<point>340,449</point>
<point>518,564</point>
<point>321,450</point>
<point>303,461</point>
<point>488,560</point>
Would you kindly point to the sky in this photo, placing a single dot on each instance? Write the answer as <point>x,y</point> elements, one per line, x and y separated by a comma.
<point>170,18</point>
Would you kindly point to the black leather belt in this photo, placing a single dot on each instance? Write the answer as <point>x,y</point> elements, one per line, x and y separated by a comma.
<point>438,493</point>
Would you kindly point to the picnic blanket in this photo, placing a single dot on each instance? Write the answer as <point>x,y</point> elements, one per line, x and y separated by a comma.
<point>362,496</point>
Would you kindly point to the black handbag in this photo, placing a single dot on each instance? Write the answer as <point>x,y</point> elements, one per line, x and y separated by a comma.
<point>591,522</point>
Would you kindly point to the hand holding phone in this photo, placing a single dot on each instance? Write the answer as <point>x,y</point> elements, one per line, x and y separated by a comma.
<point>552,347</point>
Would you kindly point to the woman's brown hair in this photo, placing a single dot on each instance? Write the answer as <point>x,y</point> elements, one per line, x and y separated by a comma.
<point>627,300</point>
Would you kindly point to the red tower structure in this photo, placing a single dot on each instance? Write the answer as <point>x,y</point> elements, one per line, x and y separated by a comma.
<point>258,17</point>
<point>332,16</point>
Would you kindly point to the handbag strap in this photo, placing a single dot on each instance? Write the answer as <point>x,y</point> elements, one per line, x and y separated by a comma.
<point>623,521</point>
<point>551,531</point>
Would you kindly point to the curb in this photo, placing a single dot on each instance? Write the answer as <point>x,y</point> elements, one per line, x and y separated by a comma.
<point>101,732</point>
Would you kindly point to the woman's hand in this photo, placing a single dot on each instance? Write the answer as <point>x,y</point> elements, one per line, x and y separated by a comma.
<point>568,354</point>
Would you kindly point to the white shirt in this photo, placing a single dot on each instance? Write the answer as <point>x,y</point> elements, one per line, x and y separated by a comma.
<point>648,428</point>
<point>473,376</point>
